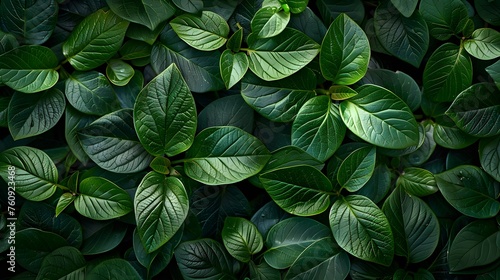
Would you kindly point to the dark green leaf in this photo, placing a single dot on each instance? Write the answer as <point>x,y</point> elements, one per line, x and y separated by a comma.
<point>470,190</point>
<point>113,269</point>
<point>224,8</point>
<point>379,184</point>
<point>489,11</point>
<point>36,175</point>
<point>241,238</point>
<point>149,13</point>
<point>417,181</point>
<point>63,263</point>
<point>494,71</point>
<point>101,237</point>
<point>233,67</point>
<point>236,113</point>
<point>444,17</point>
<point>345,52</point>
<point>7,42</point>
<point>111,143</point>
<point>165,114</point>
<point>267,216</point>
<point>269,22</point>
<point>74,121</point>
<point>31,115</point>
<point>29,69</point>
<point>90,45</point>
<point>447,135</point>
<point>489,155</point>
<point>263,271</point>
<point>134,49</point>
<point>309,23</point>
<point>127,94</point>
<point>362,229</point>
<point>330,10</point>
<point>190,6</point>
<point>405,7</point>
<point>142,33</point>
<point>483,44</point>
<point>357,168</point>
<point>161,206</point>
<point>119,72</point>
<point>234,42</point>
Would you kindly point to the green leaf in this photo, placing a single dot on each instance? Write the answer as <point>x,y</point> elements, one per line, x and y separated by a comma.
<point>236,113</point>
<point>488,11</point>
<point>102,237</point>
<point>161,205</point>
<point>407,38</point>
<point>318,129</point>
<point>399,83</point>
<point>489,155</point>
<point>224,155</point>
<point>377,188</point>
<point>417,181</point>
<point>160,165</point>
<point>330,10</point>
<point>341,92</point>
<point>74,121</point>
<point>269,22</point>
<point>234,42</point>
<point>33,245</point>
<point>268,55</point>
<point>200,69</point>
<point>447,72</point>
<point>379,117</point>
<point>289,238</point>
<point>91,93</point>
<point>475,245</point>
<point>190,6</point>
<point>101,199</point>
<point>134,49</point>
<point>470,190</point>
<point>263,271</point>
<point>63,263</point>
<point>165,114</point>
<point>35,173</point>
<point>415,227</point>
<point>127,94</point>
<point>32,22</point>
<point>113,269</point>
<point>204,259</point>
<point>90,45</point>
<point>64,201</point>
<point>447,135</point>
<point>309,23</point>
<point>476,110</point>
<point>233,67</point>
<point>301,190</point>
<point>362,229</point>
<point>494,71</point>
<point>29,69</point>
<point>149,13</point>
<point>483,44</point>
<point>111,143</point>
<point>405,7</point>
<point>297,6</point>
<point>241,238</point>
<point>322,259</point>
<point>357,168</point>
<point>267,216</point>
<point>279,100</point>
<point>444,17</point>
<point>207,32</point>
<point>345,52</point>
<point>119,72</point>
<point>7,42</point>
<point>31,115</point>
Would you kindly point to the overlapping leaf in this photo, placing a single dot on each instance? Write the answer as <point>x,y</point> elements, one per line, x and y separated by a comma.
<point>233,67</point>
<point>484,44</point>
<point>241,238</point>
<point>149,13</point>
<point>269,22</point>
<point>489,155</point>
<point>444,17</point>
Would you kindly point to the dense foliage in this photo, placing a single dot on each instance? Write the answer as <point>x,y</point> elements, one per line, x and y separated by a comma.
<point>275,139</point>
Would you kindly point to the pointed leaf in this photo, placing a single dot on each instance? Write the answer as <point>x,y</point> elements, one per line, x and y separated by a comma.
<point>263,271</point>
<point>494,71</point>
<point>444,17</point>
<point>149,13</point>
<point>190,6</point>
<point>36,174</point>
<point>233,67</point>
<point>489,155</point>
<point>74,121</point>
<point>405,7</point>
<point>63,263</point>
<point>241,238</point>
<point>234,42</point>
<point>29,69</point>
<point>448,135</point>
<point>357,168</point>
<point>113,269</point>
<point>379,117</point>
<point>101,199</point>
<point>331,10</point>
<point>483,44</point>
<point>7,42</point>
<point>361,229</point>
<point>341,92</point>
<point>90,45</point>
<point>64,201</point>
<point>224,155</point>
<point>269,22</point>
<point>165,114</point>
<point>417,181</point>
<point>345,52</point>
<point>236,113</point>
<point>119,72</point>
<point>488,11</point>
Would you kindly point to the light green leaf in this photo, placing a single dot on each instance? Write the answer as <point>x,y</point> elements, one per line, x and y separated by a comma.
<point>405,7</point>
<point>357,168</point>
<point>190,6</point>
<point>341,92</point>
<point>494,71</point>
<point>345,52</point>
<point>444,17</point>
<point>91,93</point>
<point>362,229</point>
<point>32,22</point>
<point>236,113</point>
<point>111,142</point>
<point>64,201</point>
<point>63,263</point>
<point>165,114</point>
<point>233,67</point>
<point>289,238</point>
<point>204,259</point>
<point>279,100</point>
<point>119,72</point>
<point>475,245</point>
<point>101,199</point>
<point>297,6</point>
<point>381,118</point>
<point>483,44</point>
<point>415,227</point>
<point>301,190</point>
<point>470,190</point>
<point>224,155</point>
<point>207,32</point>
<point>113,269</point>
<point>447,72</point>
<point>318,129</point>
<point>269,22</point>
<point>241,238</point>
<point>160,165</point>
<point>90,45</point>
<point>161,206</point>
<point>35,173</point>
<point>407,38</point>
<point>417,181</point>
<point>29,69</point>
<point>31,115</point>
<point>489,155</point>
<point>268,55</point>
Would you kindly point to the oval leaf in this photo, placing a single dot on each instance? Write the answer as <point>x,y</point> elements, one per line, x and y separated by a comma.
<point>149,13</point>
<point>63,263</point>
<point>119,72</point>
<point>417,181</point>
<point>236,113</point>
<point>357,168</point>
<point>113,269</point>
<point>232,67</point>
<point>483,44</point>
<point>241,238</point>
<point>269,22</point>
<point>489,155</point>
<point>444,17</point>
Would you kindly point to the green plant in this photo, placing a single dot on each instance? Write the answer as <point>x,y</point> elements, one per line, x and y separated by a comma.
<point>275,139</point>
